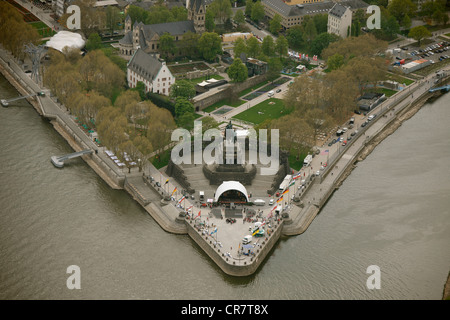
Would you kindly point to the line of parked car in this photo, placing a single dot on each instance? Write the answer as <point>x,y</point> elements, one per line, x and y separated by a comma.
<point>432,50</point>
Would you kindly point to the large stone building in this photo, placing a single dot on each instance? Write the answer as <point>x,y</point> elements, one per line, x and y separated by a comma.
<point>147,37</point>
<point>340,20</point>
<point>152,71</point>
<point>293,15</point>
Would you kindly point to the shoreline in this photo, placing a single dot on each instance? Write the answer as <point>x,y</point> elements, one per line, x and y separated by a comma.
<point>168,217</point>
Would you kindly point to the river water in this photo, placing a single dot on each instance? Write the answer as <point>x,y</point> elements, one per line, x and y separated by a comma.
<point>393,211</point>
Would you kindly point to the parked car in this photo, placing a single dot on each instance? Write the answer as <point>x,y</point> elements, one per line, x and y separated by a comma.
<point>278,90</point>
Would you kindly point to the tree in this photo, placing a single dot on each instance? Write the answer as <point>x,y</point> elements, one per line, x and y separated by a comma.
<point>335,61</point>
<point>319,121</point>
<point>189,44</point>
<point>281,46</point>
<point>182,106</point>
<point>248,7</point>
<point>321,22</point>
<point>167,45</point>
<point>322,41</point>
<point>209,21</point>
<point>239,47</point>
<point>126,97</point>
<point>253,47</point>
<point>221,9</point>
<point>400,8</point>
<point>237,71</point>
<point>406,22</point>
<point>268,46</point>
<point>275,24</point>
<point>418,33</point>
<point>274,68</point>
<point>295,37</point>
<point>210,45</point>
<point>257,11</point>
<point>112,17</point>
<point>310,31</point>
<point>239,17</point>
<point>92,19</point>
<point>94,42</point>
<point>182,89</point>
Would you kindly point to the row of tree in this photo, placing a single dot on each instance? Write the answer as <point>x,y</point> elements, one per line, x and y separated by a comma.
<point>319,103</point>
<point>15,33</point>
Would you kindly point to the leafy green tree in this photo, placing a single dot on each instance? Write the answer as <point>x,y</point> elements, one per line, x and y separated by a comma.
<point>310,31</point>
<point>268,46</point>
<point>240,46</point>
<point>112,18</point>
<point>237,71</point>
<point>418,33</point>
<point>253,47</point>
<point>239,17</point>
<point>210,45</point>
<point>335,61</point>
<point>248,7</point>
<point>94,42</point>
<point>322,41</point>
<point>257,11</point>
<point>209,21</point>
<point>275,66</point>
<point>321,22</point>
<point>275,24</point>
<point>167,45</point>
<point>221,9</point>
<point>182,106</point>
<point>406,22</point>
<point>281,46</point>
<point>182,89</point>
<point>295,37</point>
<point>400,8</point>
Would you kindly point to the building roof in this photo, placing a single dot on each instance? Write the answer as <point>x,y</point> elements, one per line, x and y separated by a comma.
<point>311,8</point>
<point>338,10</point>
<point>174,28</point>
<point>230,185</point>
<point>144,64</point>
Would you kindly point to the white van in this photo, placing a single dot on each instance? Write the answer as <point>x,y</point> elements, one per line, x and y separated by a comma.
<point>270,93</point>
<point>247,239</point>
<point>201,195</point>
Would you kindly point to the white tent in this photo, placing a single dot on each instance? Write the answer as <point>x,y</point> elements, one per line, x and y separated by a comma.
<point>212,80</point>
<point>202,84</point>
<point>66,39</point>
<point>230,185</point>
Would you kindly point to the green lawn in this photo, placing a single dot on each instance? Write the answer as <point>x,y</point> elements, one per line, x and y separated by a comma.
<point>387,92</point>
<point>269,109</point>
<point>161,160</point>
<point>222,103</point>
<point>399,79</point>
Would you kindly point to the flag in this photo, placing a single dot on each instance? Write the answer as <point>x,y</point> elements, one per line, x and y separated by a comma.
<point>174,190</point>
<point>292,183</point>
<point>215,230</point>
<point>280,199</point>
<point>167,181</point>
<point>285,191</point>
<point>199,213</point>
<point>325,152</point>
<point>298,175</point>
<point>182,198</point>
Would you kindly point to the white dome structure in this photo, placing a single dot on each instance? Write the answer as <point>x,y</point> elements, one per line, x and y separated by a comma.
<point>230,186</point>
<point>66,39</point>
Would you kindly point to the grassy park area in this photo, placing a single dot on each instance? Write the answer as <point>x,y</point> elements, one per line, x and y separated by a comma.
<point>269,109</point>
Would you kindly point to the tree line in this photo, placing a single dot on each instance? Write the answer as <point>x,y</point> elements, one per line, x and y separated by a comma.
<point>93,89</point>
<point>15,33</point>
<point>317,103</point>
